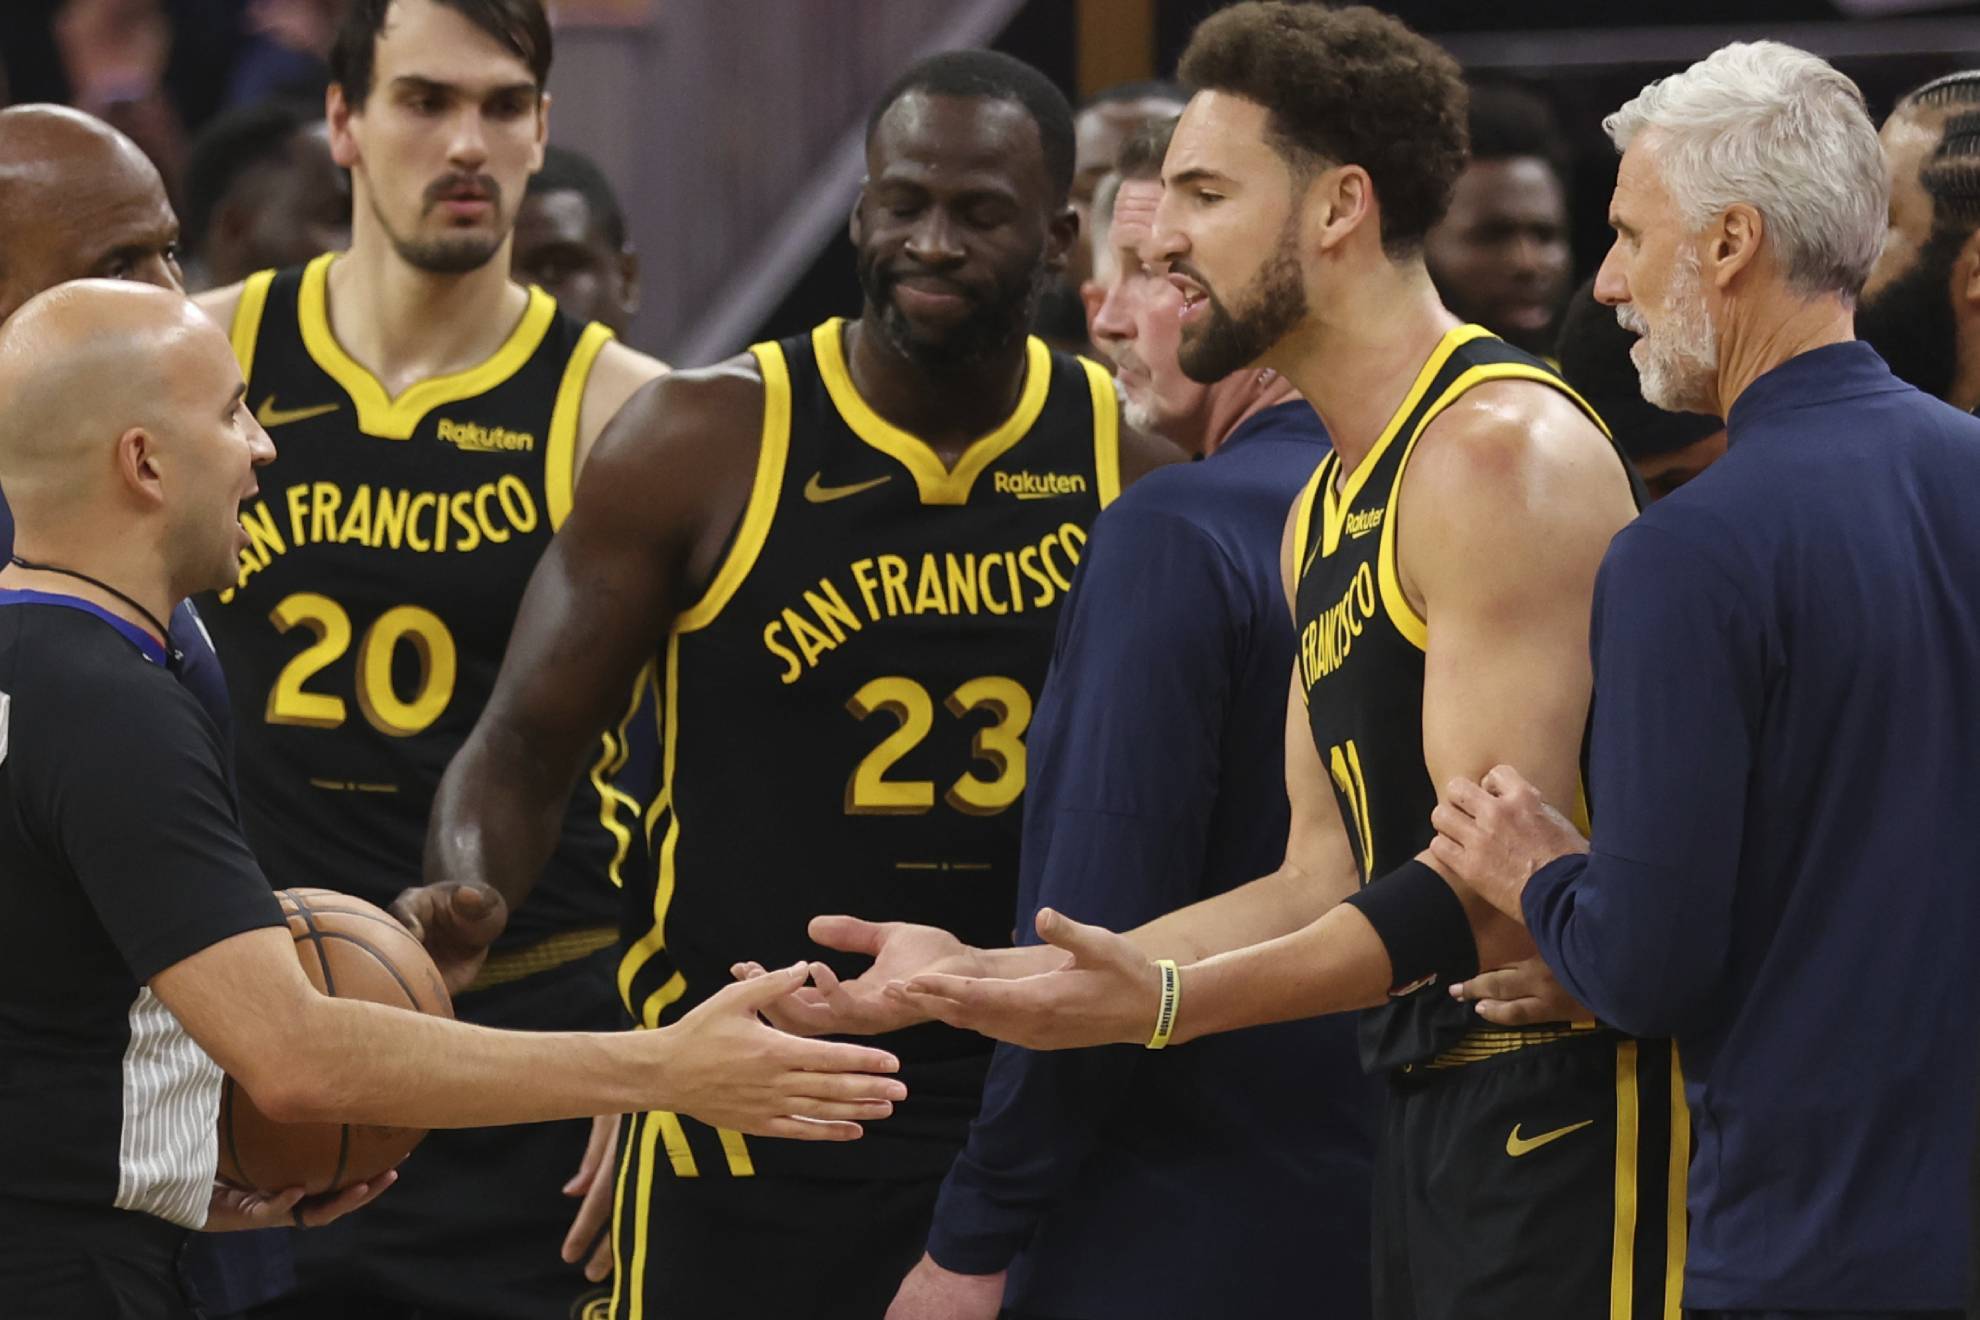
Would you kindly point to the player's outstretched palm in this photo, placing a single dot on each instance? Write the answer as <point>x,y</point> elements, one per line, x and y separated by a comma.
<point>1107,992</point>
<point>862,1006</point>
<point>725,1066</point>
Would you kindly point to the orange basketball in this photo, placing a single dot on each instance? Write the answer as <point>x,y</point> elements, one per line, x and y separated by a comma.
<point>351,950</point>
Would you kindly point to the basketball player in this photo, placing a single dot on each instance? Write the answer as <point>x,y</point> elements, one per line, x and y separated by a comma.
<point>850,548</point>
<point>261,191</point>
<point>1921,308</point>
<point>142,951</point>
<point>571,241</point>
<point>431,417</point>
<point>1500,256</point>
<point>1440,564</point>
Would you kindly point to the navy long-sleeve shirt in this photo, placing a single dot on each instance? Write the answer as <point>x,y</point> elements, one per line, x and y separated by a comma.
<point>1228,1177</point>
<point>1786,770</point>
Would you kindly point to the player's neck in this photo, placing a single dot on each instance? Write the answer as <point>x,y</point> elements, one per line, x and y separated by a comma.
<point>948,407</point>
<point>1356,359</point>
<point>139,593</point>
<point>405,325</point>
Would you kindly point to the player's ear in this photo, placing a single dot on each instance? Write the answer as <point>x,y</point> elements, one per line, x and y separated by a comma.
<point>1337,202</point>
<point>337,112</point>
<point>855,226</point>
<point>542,129</point>
<point>1966,277</point>
<point>1061,232</point>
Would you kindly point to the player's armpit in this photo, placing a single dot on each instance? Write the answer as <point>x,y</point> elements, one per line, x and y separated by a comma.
<point>652,511</point>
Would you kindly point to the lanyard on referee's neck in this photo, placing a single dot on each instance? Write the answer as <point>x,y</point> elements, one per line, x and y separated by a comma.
<point>172,655</point>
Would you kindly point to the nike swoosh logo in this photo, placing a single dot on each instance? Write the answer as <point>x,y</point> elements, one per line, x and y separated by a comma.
<point>1517,1145</point>
<point>271,417</point>
<point>819,493</point>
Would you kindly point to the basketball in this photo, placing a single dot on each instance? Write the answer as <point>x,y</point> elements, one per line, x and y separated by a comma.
<point>351,950</point>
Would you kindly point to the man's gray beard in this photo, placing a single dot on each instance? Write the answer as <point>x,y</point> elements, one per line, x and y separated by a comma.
<point>1681,361</point>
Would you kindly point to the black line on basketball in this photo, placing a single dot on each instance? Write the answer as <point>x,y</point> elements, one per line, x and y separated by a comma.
<point>412,1000</point>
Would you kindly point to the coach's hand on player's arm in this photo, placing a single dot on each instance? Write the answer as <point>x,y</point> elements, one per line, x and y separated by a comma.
<point>1494,834</point>
<point>1519,996</point>
<point>238,1209</point>
<point>900,950</point>
<point>457,921</point>
<point>930,1292</point>
<point>1105,991</point>
<point>728,1068</point>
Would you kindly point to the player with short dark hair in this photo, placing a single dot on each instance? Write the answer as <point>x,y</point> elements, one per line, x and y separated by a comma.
<point>1440,564</point>
<point>1921,307</point>
<point>1500,255</point>
<point>432,417</point>
<point>571,241</point>
<point>261,191</point>
<point>847,549</point>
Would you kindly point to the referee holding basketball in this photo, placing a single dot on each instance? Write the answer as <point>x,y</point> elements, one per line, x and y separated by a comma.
<point>141,951</point>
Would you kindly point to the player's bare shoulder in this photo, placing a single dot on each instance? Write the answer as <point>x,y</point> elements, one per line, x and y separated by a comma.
<point>1523,450</point>
<point>220,304</point>
<point>617,374</point>
<point>679,457</point>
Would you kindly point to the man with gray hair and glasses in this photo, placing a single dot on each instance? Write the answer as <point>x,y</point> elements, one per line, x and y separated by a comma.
<point>1787,687</point>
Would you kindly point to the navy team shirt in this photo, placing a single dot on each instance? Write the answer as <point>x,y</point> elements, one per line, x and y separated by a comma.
<point>1223,1179</point>
<point>1785,875</point>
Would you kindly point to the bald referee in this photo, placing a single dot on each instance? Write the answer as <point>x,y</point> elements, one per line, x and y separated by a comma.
<point>141,951</point>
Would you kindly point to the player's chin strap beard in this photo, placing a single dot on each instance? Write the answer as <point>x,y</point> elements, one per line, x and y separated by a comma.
<point>173,654</point>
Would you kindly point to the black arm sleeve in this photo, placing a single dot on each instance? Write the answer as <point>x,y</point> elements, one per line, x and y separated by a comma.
<point>140,809</point>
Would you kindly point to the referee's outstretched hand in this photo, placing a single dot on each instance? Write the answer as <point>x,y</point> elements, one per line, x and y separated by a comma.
<point>456,921</point>
<point>729,1068</point>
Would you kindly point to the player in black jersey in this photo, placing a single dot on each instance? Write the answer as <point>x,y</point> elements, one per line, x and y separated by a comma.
<point>430,416</point>
<point>1441,567</point>
<point>848,549</point>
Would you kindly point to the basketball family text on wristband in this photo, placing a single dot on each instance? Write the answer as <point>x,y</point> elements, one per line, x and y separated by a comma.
<point>1165,1017</point>
<point>1422,925</point>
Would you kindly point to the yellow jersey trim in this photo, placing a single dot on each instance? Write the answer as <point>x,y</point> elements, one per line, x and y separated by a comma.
<point>1302,533</point>
<point>378,413</point>
<point>1106,432</point>
<point>772,454</point>
<point>1387,571</point>
<point>560,455</point>
<point>937,484</point>
<point>628,1147</point>
<point>1676,1225</point>
<point>553,952</point>
<point>615,749</point>
<point>736,1151</point>
<point>245,332</point>
<point>1622,1259</point>
<point>1338,501</point>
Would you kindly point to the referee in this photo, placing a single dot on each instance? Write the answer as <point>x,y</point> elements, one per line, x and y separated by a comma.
<point>141,951</point>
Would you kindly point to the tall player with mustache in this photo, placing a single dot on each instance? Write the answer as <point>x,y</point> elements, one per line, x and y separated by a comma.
<point>430,416</point>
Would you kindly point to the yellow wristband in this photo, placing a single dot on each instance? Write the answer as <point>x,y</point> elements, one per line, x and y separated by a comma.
<point>1165,1017</point>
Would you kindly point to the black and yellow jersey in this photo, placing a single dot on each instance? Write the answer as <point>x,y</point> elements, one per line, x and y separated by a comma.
<point>388,553</point>
<point>1361,658</point>
<point>844,715</point>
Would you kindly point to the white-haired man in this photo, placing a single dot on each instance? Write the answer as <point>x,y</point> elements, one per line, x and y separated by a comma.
<point>1786,654</point>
